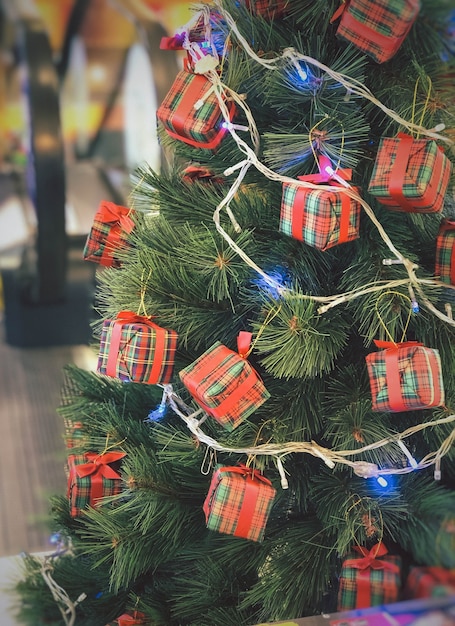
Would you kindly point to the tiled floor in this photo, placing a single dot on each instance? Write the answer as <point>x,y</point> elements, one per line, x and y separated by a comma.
<point>31,447</point>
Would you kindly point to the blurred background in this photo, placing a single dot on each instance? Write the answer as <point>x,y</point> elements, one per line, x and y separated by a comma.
<point>80,82</point>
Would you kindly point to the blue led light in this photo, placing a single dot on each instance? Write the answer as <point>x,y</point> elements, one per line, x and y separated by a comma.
<point>158,413</point>
<point>279,279</point>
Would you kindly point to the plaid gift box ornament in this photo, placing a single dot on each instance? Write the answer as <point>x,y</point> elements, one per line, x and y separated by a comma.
<point>135,349</point>
<point>130,618</point>
<point>239,502</point>
<point>410,174</point>
<point>376,27</point>
<point>224,384</point>
<point>370,579</point>
<point>268,9</point>
<point>445,252</point>
<point>320,218</point>
<point>111,226</point>
<point>91,477</point>
<point>191,111</point>
<point>429,582</point>
<point>405,376</point>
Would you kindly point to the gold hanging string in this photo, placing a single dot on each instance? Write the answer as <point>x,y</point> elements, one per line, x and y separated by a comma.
<point>107,447</point>
<point>396,293</point>
<point>143,292</point>
<point>380,532</point>
<point>269,317</point>
<point>425,106</point>
<point>310,136</point>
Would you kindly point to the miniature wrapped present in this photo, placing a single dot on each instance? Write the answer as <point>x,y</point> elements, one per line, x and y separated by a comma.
<point>369,578</point>
<point>429,582</point>
<point>108,235</point>
<point>268,9</point>
<point>320,218</point>
<point>239,502</point>
<point>445,252</point>
<point>191,111</point>
<point>410,174</point>
<point>130,618</point>
<point>376,27</point>
<point>405,376</point>
<point>135,349</point>
<point>224,384</point>
<point>92,476</point>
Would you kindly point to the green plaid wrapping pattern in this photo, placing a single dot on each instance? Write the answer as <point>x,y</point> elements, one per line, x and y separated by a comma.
<point>108,234</point>
<point>362,588</point>
<point>410,174</point>
<point>191,113</point>
<point>84,491</point>
<point>239,502</point>
<point>135,349</point>
<point>405,377</point>
<point>376,27</point>
<point>225,385</point>
<point>429,582</point>
<point>445,252</point>
<point>321,219</point>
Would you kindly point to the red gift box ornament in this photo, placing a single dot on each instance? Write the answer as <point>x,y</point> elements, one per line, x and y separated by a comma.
<point>320,218</point>
<point>108,235</point>
<point>429,582</point>
<point>130,619</point>
<point>405,376</point>
<point>91,478</point>
<point>445,252</point>
<point>134,348</point>
<point>239,502</point>
<point>371,580</point>
<point>410,175</point>
<point>191,111</point>
<point>224,384</point>
<point>376,27</point>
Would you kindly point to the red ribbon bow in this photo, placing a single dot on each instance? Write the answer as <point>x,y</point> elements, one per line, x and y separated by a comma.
<point>341,9</point>
<point>391,345</point>
<point>249,472</point>
<point>326,172</point>
<point>243,343</point>
<point>111,213</point>
<point>370,559</point>
<point>129,317</point>
<point>98,464</point>
<point>442,576</point>
<point>130,620</point>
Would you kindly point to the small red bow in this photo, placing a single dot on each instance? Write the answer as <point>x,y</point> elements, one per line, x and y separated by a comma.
<point>111,213</point>
<point>242,469</point>
<point>390,345</point>
<point>370,559</point>
<point>98,464</point>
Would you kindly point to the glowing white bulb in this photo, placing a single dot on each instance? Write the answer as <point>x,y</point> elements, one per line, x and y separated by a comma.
<point>382,481</point>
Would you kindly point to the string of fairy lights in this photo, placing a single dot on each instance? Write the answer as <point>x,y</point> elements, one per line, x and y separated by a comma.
<point>207,63</point>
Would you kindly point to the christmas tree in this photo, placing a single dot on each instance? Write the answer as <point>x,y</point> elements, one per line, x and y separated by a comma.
<point>276,381</point>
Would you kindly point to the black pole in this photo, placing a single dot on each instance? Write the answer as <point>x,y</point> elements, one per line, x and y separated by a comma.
<point>45,176</point>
